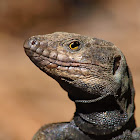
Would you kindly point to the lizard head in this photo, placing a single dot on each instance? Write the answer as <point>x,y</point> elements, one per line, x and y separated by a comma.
<point>90,69</point>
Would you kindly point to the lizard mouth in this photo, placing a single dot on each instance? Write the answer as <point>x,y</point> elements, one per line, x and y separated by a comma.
<point>48,64</point>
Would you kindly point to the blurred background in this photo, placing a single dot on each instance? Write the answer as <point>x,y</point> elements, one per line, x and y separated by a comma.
<point>28,97</point>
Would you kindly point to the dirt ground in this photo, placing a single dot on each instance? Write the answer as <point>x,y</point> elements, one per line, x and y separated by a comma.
<point>28,97</point>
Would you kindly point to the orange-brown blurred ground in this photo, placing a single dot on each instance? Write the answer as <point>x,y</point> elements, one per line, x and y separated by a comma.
<point>28,97</point>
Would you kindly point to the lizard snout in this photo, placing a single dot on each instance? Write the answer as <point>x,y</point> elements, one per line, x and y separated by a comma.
<point>31,43</point>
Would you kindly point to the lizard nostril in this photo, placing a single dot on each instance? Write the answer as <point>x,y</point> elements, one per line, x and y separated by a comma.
<point>33,42</point>
<point>116,63</point>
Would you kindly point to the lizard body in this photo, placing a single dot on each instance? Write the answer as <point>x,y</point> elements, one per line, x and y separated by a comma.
<point>95,74</point>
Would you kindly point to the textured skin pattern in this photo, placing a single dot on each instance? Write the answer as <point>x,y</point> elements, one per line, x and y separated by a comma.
<point>95,74</point>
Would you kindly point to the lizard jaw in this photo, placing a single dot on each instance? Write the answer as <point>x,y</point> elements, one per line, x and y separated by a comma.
<point>49,65</point>
<point>52,66</point>
<point>70,72</point>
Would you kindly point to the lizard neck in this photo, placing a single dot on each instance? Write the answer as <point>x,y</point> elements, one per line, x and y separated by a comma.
<point>102,118</point>
<point>96,132</point>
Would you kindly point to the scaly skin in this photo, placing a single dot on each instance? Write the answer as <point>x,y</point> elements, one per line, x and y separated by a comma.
<point>95,74</point>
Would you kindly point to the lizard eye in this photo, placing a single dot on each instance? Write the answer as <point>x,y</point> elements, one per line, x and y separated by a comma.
<point>74,45</point>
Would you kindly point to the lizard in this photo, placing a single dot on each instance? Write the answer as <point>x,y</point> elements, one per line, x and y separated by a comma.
<point>95,74</point>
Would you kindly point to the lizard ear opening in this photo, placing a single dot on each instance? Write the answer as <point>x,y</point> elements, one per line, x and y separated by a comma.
<point>116,63</point>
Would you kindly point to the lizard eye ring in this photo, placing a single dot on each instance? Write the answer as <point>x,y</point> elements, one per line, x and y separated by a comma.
<point>74,45</point>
